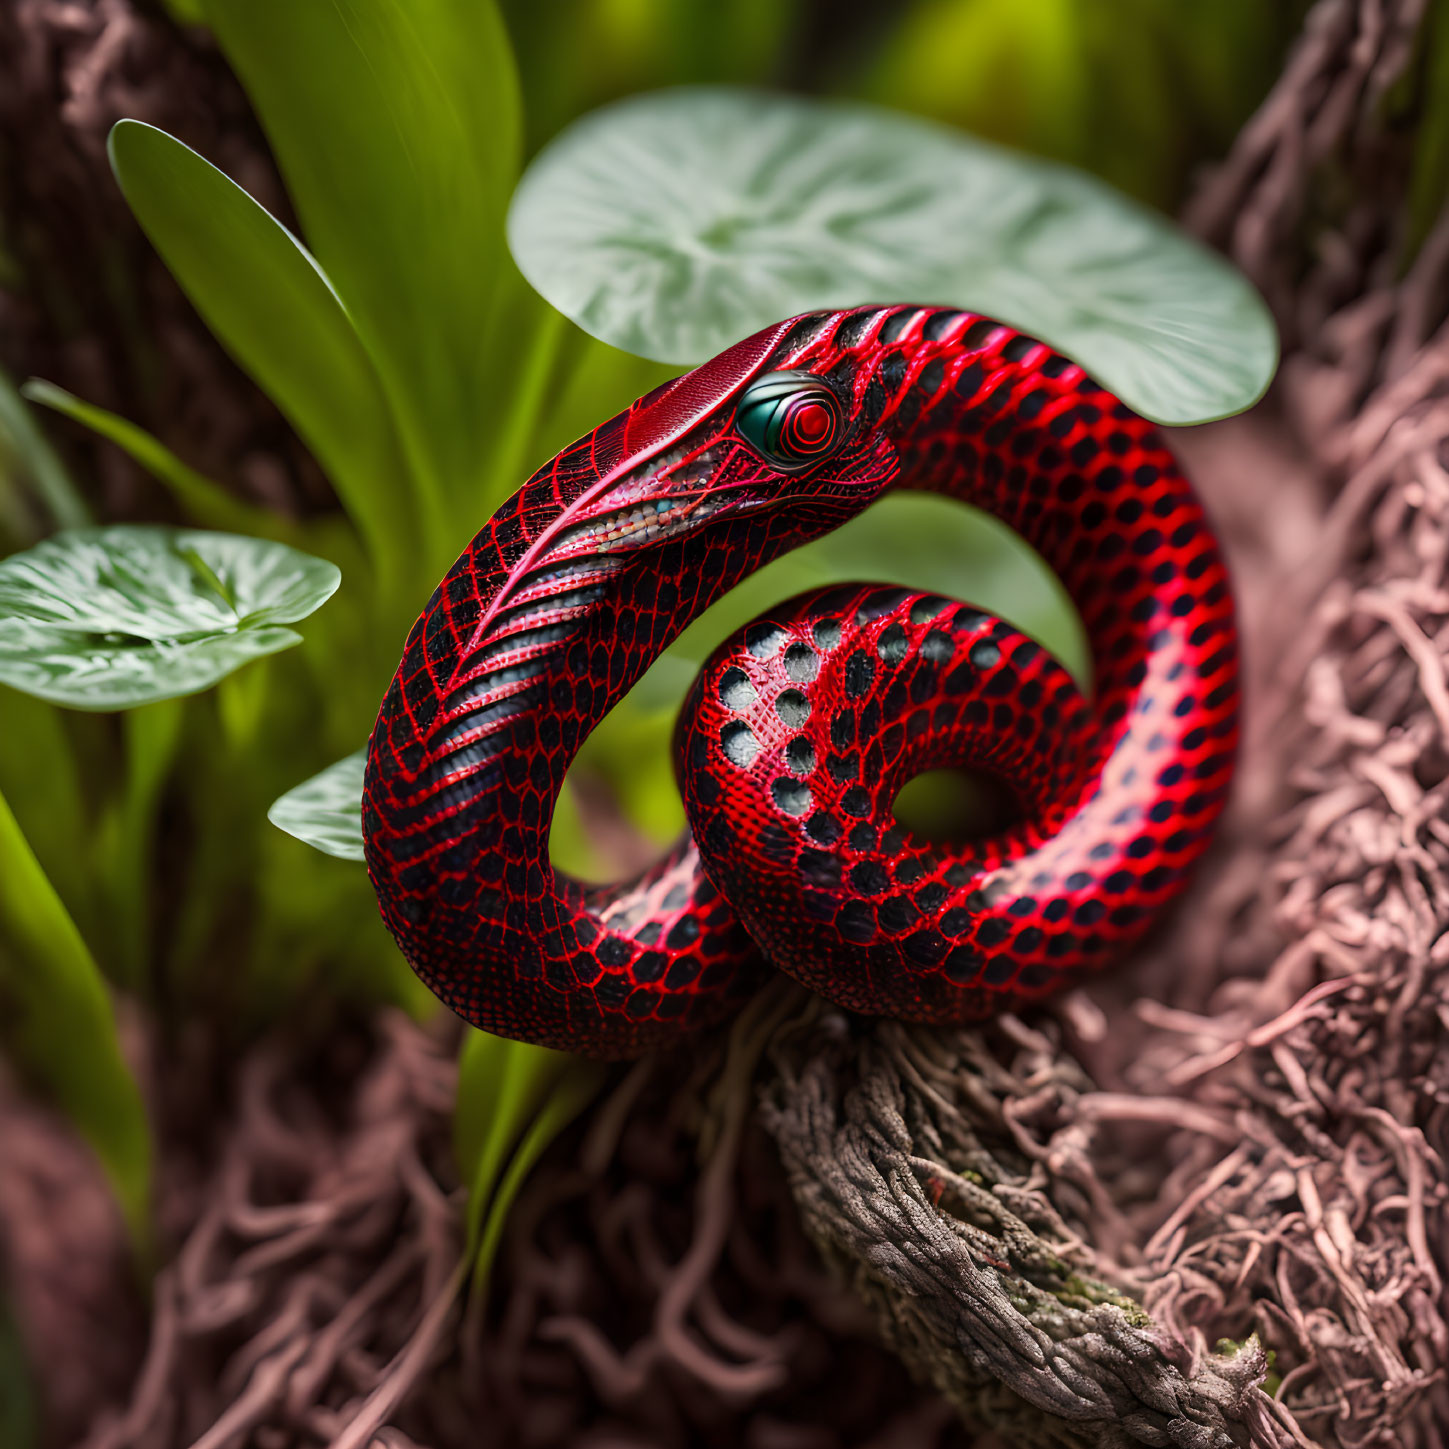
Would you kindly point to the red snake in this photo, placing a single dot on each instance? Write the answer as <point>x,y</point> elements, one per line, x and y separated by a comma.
<point>801,730</point>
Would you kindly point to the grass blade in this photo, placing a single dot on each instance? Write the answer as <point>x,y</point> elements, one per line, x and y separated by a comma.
<point>42,467</point>
<point>61,1024</point>
<point>397,130</point>
<point>127,835</point>
<point>207,503</point>
<point>273,308</point>
<point>578,1086</point>
<point>513,1099</point>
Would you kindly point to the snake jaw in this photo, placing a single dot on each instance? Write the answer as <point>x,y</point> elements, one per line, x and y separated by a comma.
<point>663,521</point>
<point>673,494</point>
<point>647,522</point>
<point>667,496</point>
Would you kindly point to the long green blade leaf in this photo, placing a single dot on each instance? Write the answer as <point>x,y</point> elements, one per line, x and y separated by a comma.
<point>272,307</point>
<point>569,1096</point>
<point>396,127</point>
<point>60,1021</point>
<point>45,472</point>
<point>513,1099</point>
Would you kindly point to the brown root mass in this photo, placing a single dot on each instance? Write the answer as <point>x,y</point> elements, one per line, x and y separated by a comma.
<point>1055,1220</point>
<point>656,1286</point>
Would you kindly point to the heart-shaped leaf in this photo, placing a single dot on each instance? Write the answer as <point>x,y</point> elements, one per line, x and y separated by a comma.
<point>108,618</point>
<point>326,811</point>
<point>674,223</point>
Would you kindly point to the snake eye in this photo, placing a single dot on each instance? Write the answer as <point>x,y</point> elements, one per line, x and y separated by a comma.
<point>793,420</point>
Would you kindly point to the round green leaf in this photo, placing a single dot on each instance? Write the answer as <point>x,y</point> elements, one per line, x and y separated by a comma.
<point>326,811</point>
<point>674,223</point>
<point>109,618</point>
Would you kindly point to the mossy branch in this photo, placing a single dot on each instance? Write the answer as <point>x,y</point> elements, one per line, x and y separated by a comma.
<point>900,1150</point>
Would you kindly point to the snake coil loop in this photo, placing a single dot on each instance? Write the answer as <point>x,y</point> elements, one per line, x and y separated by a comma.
<point>802,727</point>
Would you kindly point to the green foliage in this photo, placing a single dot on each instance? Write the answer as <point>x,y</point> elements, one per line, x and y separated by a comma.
<point>199,498</point>
<point>397,131</point>
<point>60,1013</point>
<point>25,451</point>
<point>45,775</point>
<point>103,619</point>
<point>574,55</point>
<point>513,1099</point>
<point>125,838</point>
<point>325,812</point>
<point>741,208</point>
<point>108,618</point>
<point>1137,91</point>
<point>269,302</point>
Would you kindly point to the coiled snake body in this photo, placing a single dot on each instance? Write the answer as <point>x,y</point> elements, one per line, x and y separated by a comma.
<point>801,730</point>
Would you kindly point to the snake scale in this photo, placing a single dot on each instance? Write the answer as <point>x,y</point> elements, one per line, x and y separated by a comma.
<point>801,729</point>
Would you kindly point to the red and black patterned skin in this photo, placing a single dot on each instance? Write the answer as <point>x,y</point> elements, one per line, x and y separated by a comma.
<point>800,731</point>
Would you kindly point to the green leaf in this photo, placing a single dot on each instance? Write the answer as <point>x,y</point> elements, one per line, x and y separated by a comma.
<point>108,618</point>
<point>126,839</point>
<point>42,467</point>
<point>396,127</point>
<point>207,502</point>
<point>273,308</point>
<point>513,1099</point>
<point>495,1072</point>
<point>674,223</point>
<point>570,1093</point>
<point>42,767</point>
<point>58,1017</point>
<point>326,811</point>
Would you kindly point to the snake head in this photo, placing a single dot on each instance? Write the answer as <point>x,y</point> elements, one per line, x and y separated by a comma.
<point>741,434</point>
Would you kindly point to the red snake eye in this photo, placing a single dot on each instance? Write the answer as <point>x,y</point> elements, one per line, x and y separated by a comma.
<point>793,420</point>
<point>810,425</point>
